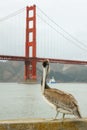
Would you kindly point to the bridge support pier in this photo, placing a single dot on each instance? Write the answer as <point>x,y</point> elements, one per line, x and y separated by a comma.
<point>30,71</point>
<point>30,47</point>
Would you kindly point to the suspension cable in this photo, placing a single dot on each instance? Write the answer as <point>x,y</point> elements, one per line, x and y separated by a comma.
<point>74,38</point>
<point>12,15</point>
<point>78,45</point>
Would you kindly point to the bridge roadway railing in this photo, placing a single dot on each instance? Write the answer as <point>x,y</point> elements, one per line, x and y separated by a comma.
<point>38,59</point>
<point>44,124</point>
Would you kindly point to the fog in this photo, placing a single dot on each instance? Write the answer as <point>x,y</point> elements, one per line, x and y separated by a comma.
<point>71,15</point>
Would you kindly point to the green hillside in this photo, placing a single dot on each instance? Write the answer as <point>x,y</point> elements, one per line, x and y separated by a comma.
<point>13,71</point>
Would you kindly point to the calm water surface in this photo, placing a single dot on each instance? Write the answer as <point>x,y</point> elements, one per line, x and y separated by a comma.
<point>25,101</point>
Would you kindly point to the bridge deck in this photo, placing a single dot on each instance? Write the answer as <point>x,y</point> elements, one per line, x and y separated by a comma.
<point>61,61</point>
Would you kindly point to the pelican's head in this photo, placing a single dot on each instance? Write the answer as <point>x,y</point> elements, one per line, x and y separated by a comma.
<point>45,65</point>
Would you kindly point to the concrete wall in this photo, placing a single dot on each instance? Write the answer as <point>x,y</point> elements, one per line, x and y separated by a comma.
<point>44,124</point>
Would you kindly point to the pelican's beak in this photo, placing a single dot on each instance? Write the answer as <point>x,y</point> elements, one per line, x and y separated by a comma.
<point>48,70</point>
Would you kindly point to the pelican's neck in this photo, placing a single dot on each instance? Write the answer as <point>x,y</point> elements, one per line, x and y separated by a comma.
<point>44,79</point>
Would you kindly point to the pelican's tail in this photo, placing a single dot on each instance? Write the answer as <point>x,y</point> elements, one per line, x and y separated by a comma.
<point>77,113</point>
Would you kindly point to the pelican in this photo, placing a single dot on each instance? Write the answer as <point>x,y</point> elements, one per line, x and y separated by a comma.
<point>63,102</point>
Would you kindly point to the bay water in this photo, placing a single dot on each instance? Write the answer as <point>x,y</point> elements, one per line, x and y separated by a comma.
<point>21,101</point>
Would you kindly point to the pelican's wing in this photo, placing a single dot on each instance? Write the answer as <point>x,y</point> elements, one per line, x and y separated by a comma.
<point>67,95</point>
<point>61,99</point>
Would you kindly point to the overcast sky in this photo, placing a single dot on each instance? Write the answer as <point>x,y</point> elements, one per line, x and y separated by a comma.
<point>71,15</point>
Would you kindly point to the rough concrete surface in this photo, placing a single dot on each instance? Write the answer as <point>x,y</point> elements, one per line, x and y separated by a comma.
<point>44,124</point>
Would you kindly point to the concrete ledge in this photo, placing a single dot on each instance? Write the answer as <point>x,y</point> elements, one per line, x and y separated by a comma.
<point>44,124</point>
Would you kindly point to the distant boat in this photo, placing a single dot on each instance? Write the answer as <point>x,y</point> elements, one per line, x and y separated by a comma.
<point>52,80</point>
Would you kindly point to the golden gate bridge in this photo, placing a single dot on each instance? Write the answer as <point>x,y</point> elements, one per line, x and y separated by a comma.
<point>30,59</point>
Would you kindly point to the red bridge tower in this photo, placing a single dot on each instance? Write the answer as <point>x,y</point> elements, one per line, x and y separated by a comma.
<point>30,47</point>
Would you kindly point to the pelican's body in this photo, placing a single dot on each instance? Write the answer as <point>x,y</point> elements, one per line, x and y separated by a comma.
<point>63,102</point>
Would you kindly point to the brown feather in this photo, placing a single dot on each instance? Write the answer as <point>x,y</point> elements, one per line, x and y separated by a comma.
<point>62,100</point>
